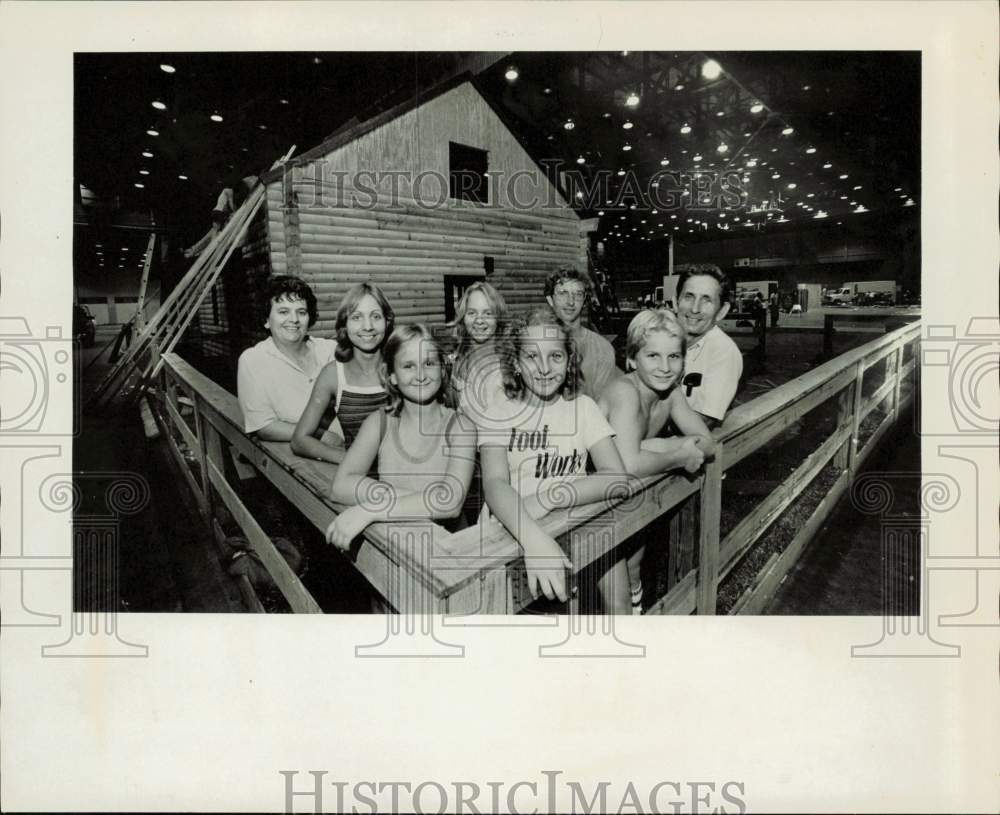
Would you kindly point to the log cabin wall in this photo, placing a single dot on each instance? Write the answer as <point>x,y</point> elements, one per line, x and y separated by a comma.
<point>335,228</point>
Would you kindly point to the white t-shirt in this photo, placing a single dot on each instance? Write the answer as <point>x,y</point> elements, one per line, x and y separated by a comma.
<point>548,443</point>
<point>718,361</point>
<point>272,388</point>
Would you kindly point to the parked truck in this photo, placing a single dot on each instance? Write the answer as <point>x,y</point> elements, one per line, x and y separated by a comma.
<point>863,292</point>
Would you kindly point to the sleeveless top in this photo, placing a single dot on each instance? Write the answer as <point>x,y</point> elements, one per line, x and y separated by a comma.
<point>414,464</point>
<point>353,403</point>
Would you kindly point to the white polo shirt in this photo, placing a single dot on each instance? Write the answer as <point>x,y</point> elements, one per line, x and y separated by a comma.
<point>272,388</point>
<point>719,361</point>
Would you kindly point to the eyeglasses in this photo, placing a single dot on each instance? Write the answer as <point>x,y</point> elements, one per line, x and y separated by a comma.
<point>570,295</point>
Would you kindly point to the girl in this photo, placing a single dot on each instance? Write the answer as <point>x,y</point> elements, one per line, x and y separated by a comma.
<point>638,406</point>
<point>529,463</point>
<point>425,451</point>
<point>480,317</point>
<point>349,388</point>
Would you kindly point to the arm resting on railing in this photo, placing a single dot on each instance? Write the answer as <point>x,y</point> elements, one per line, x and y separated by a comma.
<point>304,441</point>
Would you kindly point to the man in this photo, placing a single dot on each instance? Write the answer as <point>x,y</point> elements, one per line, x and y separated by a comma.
<point>566,291</point>
<point>774,309</point>
<point>713,364</point>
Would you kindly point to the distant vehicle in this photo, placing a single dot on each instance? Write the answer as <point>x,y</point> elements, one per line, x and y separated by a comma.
<point>851,293</point>
<point>843,296</point>
<point>84,325</point>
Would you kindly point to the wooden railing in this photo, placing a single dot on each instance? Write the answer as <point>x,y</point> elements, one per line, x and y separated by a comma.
<point>421,568</point>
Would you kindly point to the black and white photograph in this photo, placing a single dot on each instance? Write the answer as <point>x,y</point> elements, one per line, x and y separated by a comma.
<point>499,407</point>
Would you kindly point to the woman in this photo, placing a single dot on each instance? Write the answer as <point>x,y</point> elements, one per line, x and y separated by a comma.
<point>276,376</point>
<point>476,380</point>
<point>638,406</point>
<point>349,388</point>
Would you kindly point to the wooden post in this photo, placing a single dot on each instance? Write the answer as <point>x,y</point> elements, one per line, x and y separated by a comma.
<point>859,378</point>
<point>708,535</point>
<point>845,403</point>
<point>140,318</point>
<point>827,336</point>
<point>897,380</point>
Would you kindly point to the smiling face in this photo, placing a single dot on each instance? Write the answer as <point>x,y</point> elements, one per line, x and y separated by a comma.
<point>366,325</point>
<point>417,371</point>
<point>480,319</point>
<point>700,306</point>
<point>288,320</point>
<point>567,301</point>
<point>660,361</point>
<point>543,361</point>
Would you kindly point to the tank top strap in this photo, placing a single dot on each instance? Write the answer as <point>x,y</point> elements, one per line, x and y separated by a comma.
<point>340,384</point>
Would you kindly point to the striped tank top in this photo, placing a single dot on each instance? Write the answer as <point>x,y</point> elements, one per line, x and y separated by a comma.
<point>354,402</point>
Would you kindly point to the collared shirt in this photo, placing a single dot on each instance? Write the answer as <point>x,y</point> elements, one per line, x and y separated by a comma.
<point>271,387</point>
<point>597,361</point>
<point>720,364</point>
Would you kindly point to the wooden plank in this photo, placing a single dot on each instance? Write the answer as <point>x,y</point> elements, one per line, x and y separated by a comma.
<point>859,378</point>
<point>285,579</point>
<point>681,599</point>
<point>181,461</point>
<point>748,531</point>
<point>874,439</point>
<point>710,509</point>
<point>771,577</point>
<point>887,388</point>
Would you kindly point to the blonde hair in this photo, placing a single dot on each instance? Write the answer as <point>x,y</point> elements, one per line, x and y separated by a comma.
<point>354,295</point>
<point>510,348</point>
<point>497,303</point>
<point>647,321</point>
<point>393,345</point>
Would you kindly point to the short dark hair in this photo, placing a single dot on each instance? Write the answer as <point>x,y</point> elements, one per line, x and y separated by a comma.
<point>289,287</point>
<point>717,275</point>
<point>566,273</point>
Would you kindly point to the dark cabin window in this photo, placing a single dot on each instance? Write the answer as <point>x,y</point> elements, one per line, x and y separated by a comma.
<point>488,265</point>
<point>454,288</point>
<point>467,179</point>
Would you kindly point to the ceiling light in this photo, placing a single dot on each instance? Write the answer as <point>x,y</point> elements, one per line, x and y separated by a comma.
<point>511,74</point>
<point>262,127</point>
<point>283,101</point>
<point>720,113</point>
<point>579,194</point>
<point>685,128</point>
<point>792,185</point>
<point>908,202</point>
<point>143,172</point>
<point>547,90</point>
<point>621,172</point>
<point>722,148</point>
<point>627,125</point>
<point>626,147</point>
<point>898,189</point>
<point>843,198</point>
<point>159,105</point>
<point>861,208</point>
<point>776,176</point>
<point>632,100</point>
<point>857,187</point>
<point>146,154</point>
<point>167,69</point>
<point>810,150</point>
<point>756,107</point>
<point>752,163</point>
<point>678,87</point>
<point>843,176</point>
<point>787,131</point>
<point>697,157</point>
<point>581,160</point>
<point>810,195</point>
<point>568,124</point>
<point>711,69</point>
<point>215,117</point>
<point>827,166</point>
<point>183,177</point>
<point>664,162</point>
<point>152,132</point>
<point>139,186</point>
<point>600,212</point>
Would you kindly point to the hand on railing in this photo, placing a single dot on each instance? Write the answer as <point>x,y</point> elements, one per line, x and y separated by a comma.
<point>690,453</point>
<point>546,564</point>
<point>347,526</point>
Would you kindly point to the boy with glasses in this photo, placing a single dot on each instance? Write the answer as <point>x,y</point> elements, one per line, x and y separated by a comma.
<point>567,291</point>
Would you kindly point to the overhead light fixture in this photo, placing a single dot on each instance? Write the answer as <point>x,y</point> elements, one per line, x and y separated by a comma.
<point>152,132</point>
<point>600,212</point>
<point>756,107</point>
<point>857,186</point>
<point>215,117</point>
<point>697,157</point>
<point>137,185</point>
<point>627,125</point>
<point>159,105</point>
<point>626,147</point>
<point>283,101</point>
<point>827,166</point>
<point>722,148</point>
<point>678,87</point>
<point>710,69</point>
<point>820,214</point>
<point>861,208</point>
<point>806,87</point>
<point>776,176</point>
<point>632,100</point>
<point>262,127</point>
<point>621,172</point>
<point>183,177</point>
<point>752,163</point>
<point>664,162</point>
<point>810,150</point>
<point>898,189</point>
<point>843,176</point>
<point>579,194</point>
<point>167,69</point>
<point>908,202</point>
<point>792,185</point>
<point>685,128</point>
<point>511,74</point>
<point>811,195</point>
<point>547,90</point>
<point>787,131</point>
<point>568,124</point>
<point>720,113</point>
<point>581,160</point>
<point>143,172</point>
<point>146,154</point>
